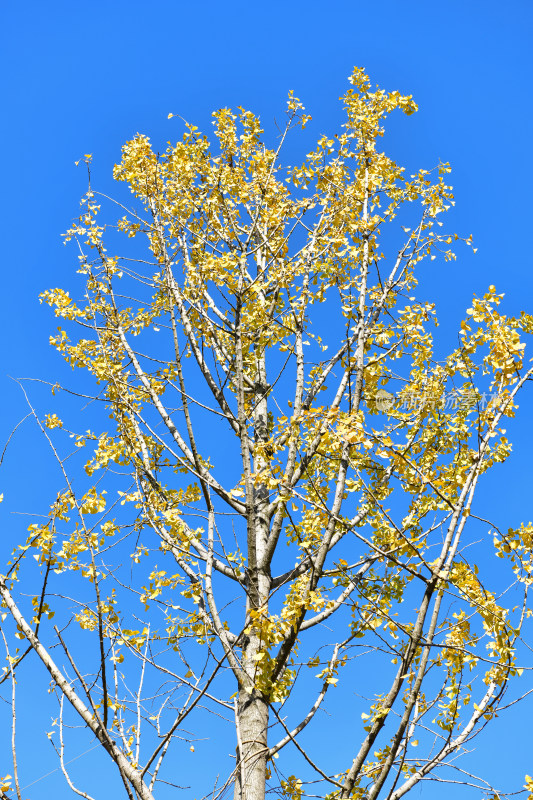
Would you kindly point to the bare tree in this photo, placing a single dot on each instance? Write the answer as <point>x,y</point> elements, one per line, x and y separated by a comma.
<point>289,476</point>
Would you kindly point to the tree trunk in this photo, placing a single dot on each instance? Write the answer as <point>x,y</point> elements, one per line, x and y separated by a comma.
<point>252,706</point>
<point>252,750</point>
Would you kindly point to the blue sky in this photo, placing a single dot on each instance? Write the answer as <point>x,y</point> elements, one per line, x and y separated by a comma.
<point>84,77</point>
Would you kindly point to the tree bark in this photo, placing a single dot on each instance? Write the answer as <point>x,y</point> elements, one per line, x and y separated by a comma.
<point>252,750</point>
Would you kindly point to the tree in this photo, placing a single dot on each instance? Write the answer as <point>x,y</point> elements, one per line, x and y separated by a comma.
<point>290,471</point>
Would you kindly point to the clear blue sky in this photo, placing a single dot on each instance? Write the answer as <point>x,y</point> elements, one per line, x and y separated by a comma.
<point>84,77</point>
